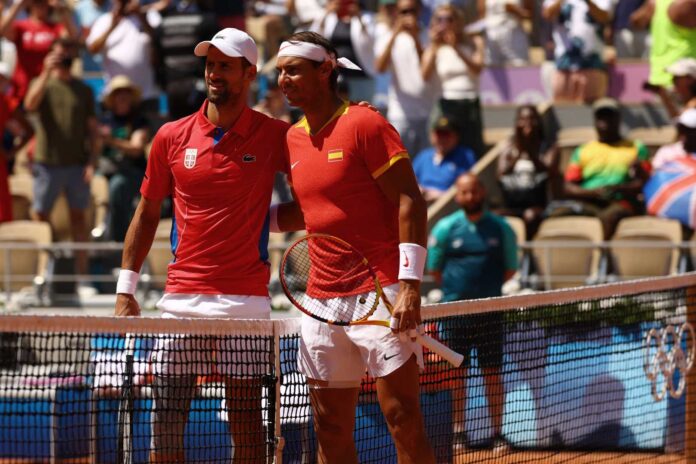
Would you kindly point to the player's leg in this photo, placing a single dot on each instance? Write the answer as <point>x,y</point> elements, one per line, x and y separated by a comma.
<point>334,367</point>
<point>334,421</point>
<point>489,339</point>
<point>172,401</point>
<point>399,398</point>
<point>244,413</point>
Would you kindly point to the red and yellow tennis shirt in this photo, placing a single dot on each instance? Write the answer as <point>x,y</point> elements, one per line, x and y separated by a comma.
<point>333,173</point>
<point>221,184</point>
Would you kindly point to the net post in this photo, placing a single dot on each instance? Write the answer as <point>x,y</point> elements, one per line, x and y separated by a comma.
<point>690,423</point>
<point>277,432</point>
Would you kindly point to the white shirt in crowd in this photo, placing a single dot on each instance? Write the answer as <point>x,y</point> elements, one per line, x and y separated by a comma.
<point>577,30</point>
<point>409,97</point>
<point>456,80</point>
<point>127,51</point>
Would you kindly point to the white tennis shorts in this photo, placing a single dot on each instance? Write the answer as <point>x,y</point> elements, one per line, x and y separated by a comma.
<point>338,356</point>
<point>237,357</point>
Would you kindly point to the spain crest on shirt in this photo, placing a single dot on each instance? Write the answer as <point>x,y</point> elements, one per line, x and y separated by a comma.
<point>190,157</point>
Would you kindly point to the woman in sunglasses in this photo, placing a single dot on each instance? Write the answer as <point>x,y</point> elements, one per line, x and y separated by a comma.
<point>456,58</point>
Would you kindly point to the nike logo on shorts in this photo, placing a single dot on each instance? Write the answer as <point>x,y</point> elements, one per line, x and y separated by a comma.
<point>387,358</point>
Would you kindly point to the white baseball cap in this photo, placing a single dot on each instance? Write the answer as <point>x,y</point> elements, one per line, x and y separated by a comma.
<point>233,43</point>
<point>683,67</point>
<point>688,118</point>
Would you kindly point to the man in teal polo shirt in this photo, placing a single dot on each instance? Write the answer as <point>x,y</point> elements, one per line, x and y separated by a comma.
<point>471,253</point>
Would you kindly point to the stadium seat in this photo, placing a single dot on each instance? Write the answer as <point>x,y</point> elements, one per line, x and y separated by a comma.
<point>634,260</point>
<point>558,266</point>
<point>25,264</point>
<point>160,256</point>
<point>22,195</point>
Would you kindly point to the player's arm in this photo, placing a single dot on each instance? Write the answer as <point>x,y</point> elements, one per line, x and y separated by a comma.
<point>139,238</point>
<point>288,216</point>
<point>398,184</point>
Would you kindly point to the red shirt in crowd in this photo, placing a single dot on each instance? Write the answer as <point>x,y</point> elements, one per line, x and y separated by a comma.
<point>33,40</point>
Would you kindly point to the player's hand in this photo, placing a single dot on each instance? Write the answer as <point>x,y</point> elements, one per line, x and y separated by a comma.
<point>407,308</point>
<point>126,305</point>
<point>368,105</point>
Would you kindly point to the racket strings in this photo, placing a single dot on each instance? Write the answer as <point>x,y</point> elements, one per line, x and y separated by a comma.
<point>329,280</point>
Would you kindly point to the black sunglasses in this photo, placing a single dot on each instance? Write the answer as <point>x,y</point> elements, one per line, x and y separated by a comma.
<point>408,11</point>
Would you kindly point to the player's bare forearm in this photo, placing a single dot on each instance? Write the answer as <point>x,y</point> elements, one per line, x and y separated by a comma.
<point>290,217</point>
<point>141,234</point>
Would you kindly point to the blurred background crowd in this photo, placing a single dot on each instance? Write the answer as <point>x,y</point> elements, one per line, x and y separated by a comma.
<point>84,85</point>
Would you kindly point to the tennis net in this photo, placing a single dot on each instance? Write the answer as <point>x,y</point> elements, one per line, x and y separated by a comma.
<point>585,375</point>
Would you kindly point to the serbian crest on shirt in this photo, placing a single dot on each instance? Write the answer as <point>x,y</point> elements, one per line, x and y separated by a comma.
<point>190,157</point>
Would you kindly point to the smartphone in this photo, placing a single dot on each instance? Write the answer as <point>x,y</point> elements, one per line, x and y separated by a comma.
<point>648,87</point>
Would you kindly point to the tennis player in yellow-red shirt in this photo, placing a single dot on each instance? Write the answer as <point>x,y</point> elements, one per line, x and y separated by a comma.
<point>352,178</point>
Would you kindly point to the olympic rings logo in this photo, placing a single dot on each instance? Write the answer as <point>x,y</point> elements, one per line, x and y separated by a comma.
<point>664,355</point>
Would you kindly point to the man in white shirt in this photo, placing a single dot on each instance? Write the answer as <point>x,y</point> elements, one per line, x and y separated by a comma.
<point>124,37</point>
<point>410,98</point>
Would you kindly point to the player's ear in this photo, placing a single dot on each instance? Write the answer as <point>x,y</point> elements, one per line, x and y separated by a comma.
<point>325,69</point>
<point>251,72</point>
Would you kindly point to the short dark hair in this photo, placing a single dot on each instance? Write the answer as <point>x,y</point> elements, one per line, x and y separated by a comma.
<point>318,39</point>
<point>65,42</point>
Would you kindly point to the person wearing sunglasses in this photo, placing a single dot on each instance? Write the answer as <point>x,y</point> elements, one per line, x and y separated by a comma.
<point>455,58</point>
<point>410,97</point>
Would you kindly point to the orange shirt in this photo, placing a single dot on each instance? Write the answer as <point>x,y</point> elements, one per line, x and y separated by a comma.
<point>333,173</point>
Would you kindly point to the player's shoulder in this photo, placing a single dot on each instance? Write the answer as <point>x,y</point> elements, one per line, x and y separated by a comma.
<point>363,116</point>
<point>173,131</point>
<point>270,125</point>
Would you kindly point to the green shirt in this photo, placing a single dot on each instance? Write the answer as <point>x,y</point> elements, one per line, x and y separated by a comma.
<point>62,130</point>
<point>472,256</point>
<point>669,44</point>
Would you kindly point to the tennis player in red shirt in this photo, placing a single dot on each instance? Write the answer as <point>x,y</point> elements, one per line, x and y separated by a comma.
<point>352,178</point>
<point>218,165</point>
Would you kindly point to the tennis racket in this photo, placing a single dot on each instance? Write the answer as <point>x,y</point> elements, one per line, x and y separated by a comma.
<point>126,405</point>
<point>329,280</point>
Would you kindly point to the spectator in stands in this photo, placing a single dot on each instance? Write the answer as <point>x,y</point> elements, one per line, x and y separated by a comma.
<point>506,40</point>
<point>410,98</point>
<point>124,37</point>
<point>472,253</point>
<point>629,30</point>
<point>673,36</point>
<point>305,12</point>
<point>267,24</point>
<point>456,58</point>
<point>178,71</point>
<point>33,37</point>
<point>438,167</point>
<point>683,74</point>
<point>685,144</point>
<point>579,47</point>
<point>352,32</point>
<point>527,166</point>
<point>66,142</point>
<point>273,103</point>
<point>87,12</point>
<point>124,133</point>
<point>605,177</point>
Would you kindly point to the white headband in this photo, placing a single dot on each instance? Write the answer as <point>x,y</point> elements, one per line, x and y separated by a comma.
<point>314,52</point>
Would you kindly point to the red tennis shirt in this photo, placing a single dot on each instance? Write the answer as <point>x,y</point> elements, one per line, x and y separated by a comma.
<point>221,184</point>
<point>333,174</point>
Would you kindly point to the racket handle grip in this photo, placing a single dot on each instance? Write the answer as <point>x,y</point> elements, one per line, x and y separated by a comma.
<point>441,350</point>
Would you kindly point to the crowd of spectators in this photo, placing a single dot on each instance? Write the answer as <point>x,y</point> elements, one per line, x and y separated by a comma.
<point>421,64</point>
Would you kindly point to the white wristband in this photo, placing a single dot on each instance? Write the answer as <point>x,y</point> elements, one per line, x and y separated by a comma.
<point>411,261</point>
<point>273,219</point>
<point>127,281</point>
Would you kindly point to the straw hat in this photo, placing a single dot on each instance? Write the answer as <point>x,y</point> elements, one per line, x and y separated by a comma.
<point>118,83</point>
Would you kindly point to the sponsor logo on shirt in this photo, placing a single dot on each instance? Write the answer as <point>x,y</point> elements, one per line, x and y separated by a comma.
<point>248,158</point>
<point>190,157</point>
<point>335,155</point>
